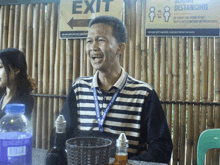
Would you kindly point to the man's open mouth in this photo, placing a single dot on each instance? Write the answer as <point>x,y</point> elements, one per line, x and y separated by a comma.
<point>96,57</point>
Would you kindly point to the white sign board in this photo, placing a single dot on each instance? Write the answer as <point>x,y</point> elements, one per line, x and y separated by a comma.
<point>183,17</point>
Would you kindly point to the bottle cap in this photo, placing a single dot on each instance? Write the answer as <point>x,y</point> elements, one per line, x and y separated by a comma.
<point>15,108</point>
<point>60,124</point>
<point>122,141</point>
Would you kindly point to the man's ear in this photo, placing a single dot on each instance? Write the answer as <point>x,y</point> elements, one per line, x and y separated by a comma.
<point>121,48</point>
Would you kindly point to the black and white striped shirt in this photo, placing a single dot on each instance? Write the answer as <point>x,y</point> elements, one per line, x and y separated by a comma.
<point>136,112</point>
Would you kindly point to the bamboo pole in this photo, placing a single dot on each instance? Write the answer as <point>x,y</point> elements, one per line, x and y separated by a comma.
<point>169,82</point>
<point>89,67</point>
<point>85,60</point>
<point>196,97</point>
<point>5,28</point>
<point>163,72</point>
<point>17,26</point>
<point>41,47</point>
<point>40,73</point>
<point>35,43</point>
<point>121,57</point>
<point>210,123</point>
<point>175,98</point>
<point>69,65</point>
<point>34,66</point>
<point>29,39</point>
<point>144,44</point>
<point>151,61</point>
<point>23,28</point>
<point>157,65</point>
<point>57,73</point>
<point>29,59</point>
<point>34,123</point>
<point>1,25</point>
<point>132,39</point>
<point>138,42</point>
<point>11,26</point>
<point>190,99</point>
<point>168,107</point>
<point>82,58</point>
<point>127,24</point>
<point>53,34</point>
<point>182,98</point>
<point>217,94</point>
<point>76,59</point>
<point>62,90</point>
<point>204,78</point>
<point>46,63</point>
<point>217,77</point>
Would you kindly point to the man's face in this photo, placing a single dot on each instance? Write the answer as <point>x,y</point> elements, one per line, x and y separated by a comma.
<point>102,47</point>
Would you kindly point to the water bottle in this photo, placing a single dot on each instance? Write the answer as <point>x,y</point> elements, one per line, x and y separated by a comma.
<point>15,136</point>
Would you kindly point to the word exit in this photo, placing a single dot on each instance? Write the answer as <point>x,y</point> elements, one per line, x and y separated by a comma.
<point>90,6</point>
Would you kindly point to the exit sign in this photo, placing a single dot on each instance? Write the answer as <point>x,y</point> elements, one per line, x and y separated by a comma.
<point>75,15</point>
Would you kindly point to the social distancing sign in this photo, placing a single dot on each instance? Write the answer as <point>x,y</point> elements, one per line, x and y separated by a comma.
<point>75,15</point>
<point>183,17</point>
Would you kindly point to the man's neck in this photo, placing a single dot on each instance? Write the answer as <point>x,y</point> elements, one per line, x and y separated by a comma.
<point>108,79</point>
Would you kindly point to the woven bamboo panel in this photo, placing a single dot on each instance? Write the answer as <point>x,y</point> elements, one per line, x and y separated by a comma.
<point>185,71</point>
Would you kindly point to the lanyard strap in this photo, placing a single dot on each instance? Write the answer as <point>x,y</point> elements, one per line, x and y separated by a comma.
<point>97,109</point>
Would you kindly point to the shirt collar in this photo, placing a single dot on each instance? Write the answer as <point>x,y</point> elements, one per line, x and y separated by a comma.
<point>119,83</point>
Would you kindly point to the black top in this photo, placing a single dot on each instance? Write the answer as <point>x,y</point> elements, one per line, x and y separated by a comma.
<point>28,100</point>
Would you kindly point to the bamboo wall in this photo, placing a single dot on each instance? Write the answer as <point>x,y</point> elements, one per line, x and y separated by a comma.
<point>185,71</point>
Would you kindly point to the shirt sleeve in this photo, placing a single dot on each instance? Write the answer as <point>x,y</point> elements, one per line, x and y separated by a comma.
<point>155,132</point>
<point>69,111</point>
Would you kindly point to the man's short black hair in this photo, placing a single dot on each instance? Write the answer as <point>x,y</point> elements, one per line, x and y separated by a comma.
<point>119,29</point>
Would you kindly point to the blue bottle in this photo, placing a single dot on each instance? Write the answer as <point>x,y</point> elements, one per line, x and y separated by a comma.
<point>15,136</point>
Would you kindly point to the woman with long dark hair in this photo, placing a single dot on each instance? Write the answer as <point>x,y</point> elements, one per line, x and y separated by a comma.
<point>15,83</point>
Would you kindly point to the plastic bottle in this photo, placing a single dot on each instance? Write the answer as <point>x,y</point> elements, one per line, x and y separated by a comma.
<point>58,154</point>
<point>121,156</point>
<point>15,136</point>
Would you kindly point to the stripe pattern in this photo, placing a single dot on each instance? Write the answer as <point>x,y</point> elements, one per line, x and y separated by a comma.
<point>125,114</point>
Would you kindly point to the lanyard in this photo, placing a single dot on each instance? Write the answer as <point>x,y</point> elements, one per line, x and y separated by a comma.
<point>97,109</point>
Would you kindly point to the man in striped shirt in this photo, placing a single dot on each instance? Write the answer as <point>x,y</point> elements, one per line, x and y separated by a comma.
<point>112,102</point>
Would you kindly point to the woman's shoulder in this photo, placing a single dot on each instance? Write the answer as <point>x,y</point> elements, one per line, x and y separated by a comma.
<point>2,92</point>
<point>26,98</point>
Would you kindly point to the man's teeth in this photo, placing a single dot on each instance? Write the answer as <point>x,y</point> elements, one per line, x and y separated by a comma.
<point>96,57</point>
